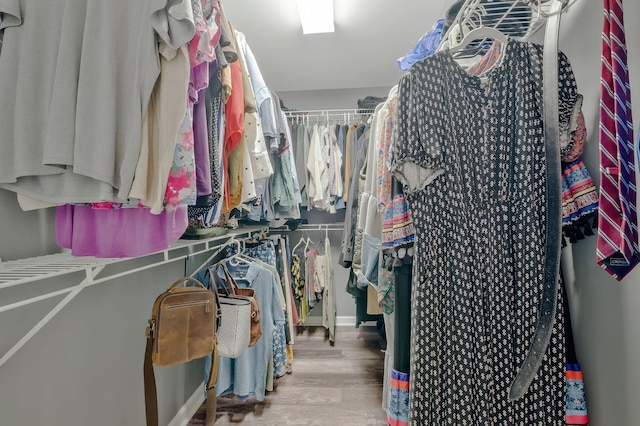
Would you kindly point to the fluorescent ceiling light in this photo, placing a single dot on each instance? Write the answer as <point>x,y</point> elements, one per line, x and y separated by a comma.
<point>316,16</point>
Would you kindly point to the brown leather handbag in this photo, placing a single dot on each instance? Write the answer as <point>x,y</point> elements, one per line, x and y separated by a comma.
<point>231,288</point>
<point>182,328</point>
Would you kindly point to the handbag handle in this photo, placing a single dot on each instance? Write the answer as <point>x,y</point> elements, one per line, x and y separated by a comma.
<point>230,282</point>
<point>183,279</point>
<point>219,283</point>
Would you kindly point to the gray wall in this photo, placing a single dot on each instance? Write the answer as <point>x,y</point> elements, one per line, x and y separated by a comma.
<point>24,234</point>
<point>605,312</point>
<point>85,366</point>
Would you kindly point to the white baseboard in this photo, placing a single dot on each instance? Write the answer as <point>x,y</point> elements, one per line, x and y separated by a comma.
<point>186,412</point>
<point>316,320</point>
<point>349,321</point>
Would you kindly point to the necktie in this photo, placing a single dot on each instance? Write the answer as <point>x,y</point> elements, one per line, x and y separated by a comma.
<point>617,244</point>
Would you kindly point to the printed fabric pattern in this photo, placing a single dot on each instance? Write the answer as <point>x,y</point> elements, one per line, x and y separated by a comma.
<point>398,414</point>
<point>579,193</point>
<point>576,398</point>
<point>299,287</point>
<point>469,179</point>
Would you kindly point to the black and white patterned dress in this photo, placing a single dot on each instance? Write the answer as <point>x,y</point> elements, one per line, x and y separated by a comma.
<point>470,154</point>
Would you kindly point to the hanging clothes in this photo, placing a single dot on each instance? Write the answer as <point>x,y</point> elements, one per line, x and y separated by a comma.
<point>108,233</point>
<point>245,376</point>
<point>299,284</point>
<point>328,293</point>
<point>300,140</point>
<point>468,182</point>
<point>265,252</point>
<point>182,185</point>
<point>76,151</point>
<point>318,174</point>
<point>356,160</point>
<point>233,156</point>
<point>161,127</point>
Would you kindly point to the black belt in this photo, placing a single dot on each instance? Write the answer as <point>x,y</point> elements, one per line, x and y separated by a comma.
<point>549,297</point>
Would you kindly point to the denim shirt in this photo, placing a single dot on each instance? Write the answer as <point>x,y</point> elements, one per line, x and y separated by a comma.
<point>246,376</point>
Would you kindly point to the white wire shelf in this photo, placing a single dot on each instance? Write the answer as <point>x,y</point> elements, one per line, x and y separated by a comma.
<point>22,271</point>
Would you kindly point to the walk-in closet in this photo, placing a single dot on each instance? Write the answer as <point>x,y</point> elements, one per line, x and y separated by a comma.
<point>319,212</point>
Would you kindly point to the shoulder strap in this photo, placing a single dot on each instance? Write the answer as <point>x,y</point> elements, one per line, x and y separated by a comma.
<point>230,281</point>
<point>150,395</point>
<point>211,386</point>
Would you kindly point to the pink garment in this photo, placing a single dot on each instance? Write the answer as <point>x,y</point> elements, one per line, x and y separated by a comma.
<point>181,185</point>
<point>108,233</point>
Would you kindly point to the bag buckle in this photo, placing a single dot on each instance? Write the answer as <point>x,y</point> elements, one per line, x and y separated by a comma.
<point>149,330</point>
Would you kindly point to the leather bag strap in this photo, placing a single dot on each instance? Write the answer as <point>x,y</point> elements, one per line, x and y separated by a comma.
<point>230,281</point>
<point>549,296</point>
<point>211,403</point>
<point>150,395</point>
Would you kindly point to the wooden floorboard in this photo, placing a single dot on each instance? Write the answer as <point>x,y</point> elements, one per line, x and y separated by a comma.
<point>329,386</point>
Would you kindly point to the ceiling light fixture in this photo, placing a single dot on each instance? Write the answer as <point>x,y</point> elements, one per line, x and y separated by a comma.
<point>316,16</point>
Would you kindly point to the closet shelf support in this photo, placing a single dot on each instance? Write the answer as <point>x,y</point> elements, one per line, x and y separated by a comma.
<point>24,271</point>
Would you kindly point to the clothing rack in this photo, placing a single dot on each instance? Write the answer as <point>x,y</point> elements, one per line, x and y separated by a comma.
<point>321,227</point>
<point>310,227</point>
<point>324,115</point>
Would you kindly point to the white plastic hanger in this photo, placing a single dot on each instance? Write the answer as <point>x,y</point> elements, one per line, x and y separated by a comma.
<point>306,246</point>
<point>479,33</point>
<point>237,258</point>
<point>302,240</point>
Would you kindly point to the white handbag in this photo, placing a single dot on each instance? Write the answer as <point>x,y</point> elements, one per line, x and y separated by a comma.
<point>234,331</point>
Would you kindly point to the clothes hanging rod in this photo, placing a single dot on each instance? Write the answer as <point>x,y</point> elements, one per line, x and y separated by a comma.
<point>321,227</point>
<point>310,227</point>
<point>321,112</point>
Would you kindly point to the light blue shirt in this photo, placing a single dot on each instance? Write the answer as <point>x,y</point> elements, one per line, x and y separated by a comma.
<point>246,375</point>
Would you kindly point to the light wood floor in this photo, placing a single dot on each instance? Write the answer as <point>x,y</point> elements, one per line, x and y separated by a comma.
<point>330,385</point>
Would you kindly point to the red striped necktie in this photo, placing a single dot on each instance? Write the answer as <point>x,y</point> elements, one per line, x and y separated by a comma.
<point>617,244</point>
